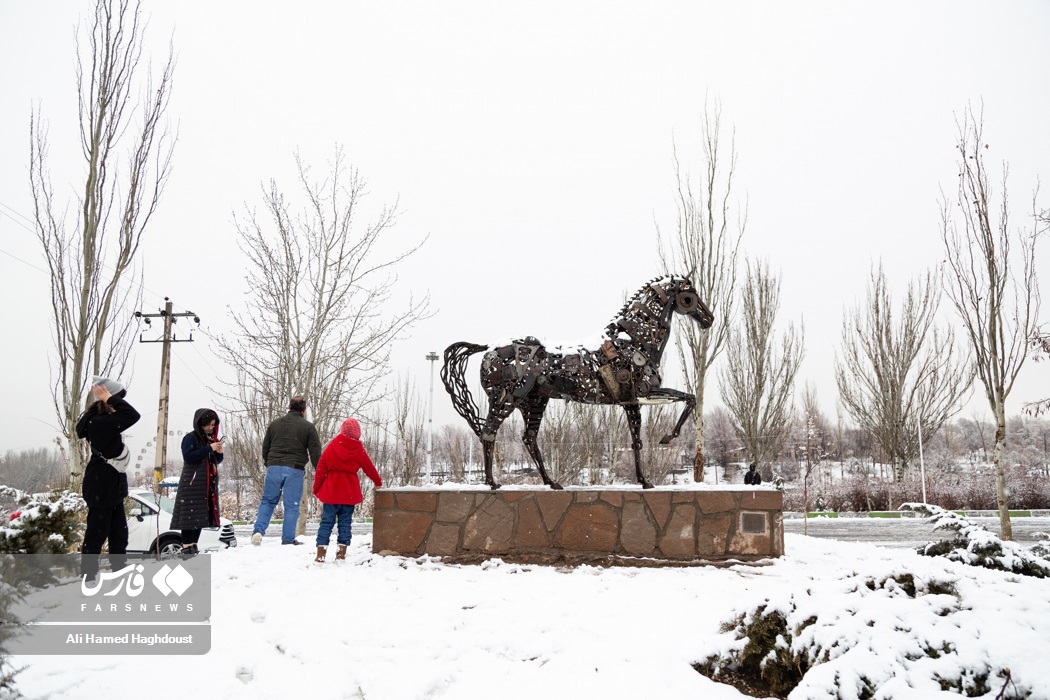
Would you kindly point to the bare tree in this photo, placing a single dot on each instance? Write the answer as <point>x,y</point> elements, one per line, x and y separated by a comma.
<point>758,380</point>
<point>32,470</point>
<point>898,372</point>
<point>1040,346</point>
<point>658,460</point>
<point>720,439</point>
<point>321,322</point>
<point>586,419</point>
<point>560,442</point>
<point>410,444</point>
<point>813,428</point>
<point>706,246</point>
<point>453,447</point>
<point>127,152</point>
<point>990,277</point>
<point>246,427</point>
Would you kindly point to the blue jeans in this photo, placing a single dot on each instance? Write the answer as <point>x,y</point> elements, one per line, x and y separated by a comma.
<point>329,514</point>
<point>278,479</point>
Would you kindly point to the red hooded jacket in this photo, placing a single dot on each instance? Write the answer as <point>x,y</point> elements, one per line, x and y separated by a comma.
<point>336,481</point>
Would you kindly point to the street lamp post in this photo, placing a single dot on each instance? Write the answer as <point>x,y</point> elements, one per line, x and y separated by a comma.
<point>432,356</point>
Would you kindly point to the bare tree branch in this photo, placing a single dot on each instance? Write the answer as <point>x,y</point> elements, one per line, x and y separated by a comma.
<point>319,323</point>
<point>899,371</point>
<point>94,285</point>
<point>705,247</point>
<point>757,383</point>
<point>994,288</point>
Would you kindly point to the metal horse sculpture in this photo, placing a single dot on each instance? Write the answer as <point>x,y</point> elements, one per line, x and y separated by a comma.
<point>625,371</point>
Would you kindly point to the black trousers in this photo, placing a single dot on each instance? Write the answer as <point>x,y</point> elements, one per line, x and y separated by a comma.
<point>104,523</point>
<point>191,536</point>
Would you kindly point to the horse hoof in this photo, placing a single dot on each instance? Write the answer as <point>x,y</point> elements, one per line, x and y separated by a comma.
<point>555,486</point>
<point>494,486</point>
<point>666,439</point>
<point>646,485</point>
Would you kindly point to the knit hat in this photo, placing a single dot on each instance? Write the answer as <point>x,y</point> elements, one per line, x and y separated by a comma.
<point>351,428</point>
<point>112,385</point>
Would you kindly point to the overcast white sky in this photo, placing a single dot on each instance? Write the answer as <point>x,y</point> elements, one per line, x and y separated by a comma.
<point>533,143</point>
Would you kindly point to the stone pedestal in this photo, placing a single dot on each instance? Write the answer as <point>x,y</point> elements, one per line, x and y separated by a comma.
<point>604,524</point>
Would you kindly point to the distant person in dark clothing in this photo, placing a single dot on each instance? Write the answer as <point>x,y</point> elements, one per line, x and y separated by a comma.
<point>752,477</point>
<point>290,442</point>
<point>197,500</point>
<point>105,478</point>
<point>338,486</point>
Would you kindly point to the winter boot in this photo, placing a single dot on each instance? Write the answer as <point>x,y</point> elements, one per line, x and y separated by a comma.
<point>341,554</point>
<point>321,551</point>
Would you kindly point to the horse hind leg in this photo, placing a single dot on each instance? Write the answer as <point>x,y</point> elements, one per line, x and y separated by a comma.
<point>498,412</point>
<point>634,422</point>
<point>532,413</point>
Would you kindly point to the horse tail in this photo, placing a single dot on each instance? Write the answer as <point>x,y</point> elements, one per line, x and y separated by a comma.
<point>453,376</point>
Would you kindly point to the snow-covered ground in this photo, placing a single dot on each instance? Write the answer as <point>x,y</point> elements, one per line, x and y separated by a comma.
<point>392,628</point>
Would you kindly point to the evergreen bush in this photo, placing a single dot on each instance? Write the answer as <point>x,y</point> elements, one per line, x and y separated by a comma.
<point>42,523</point>
<point>974,545</point>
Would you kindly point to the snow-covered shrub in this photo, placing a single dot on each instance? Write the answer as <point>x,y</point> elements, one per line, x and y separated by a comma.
<point>761,662</point>
<point>1028,489</point>
<point>974,545</point>
<point>43,523</point>
<point>9,596</point>
<point>1042,547</point>
<point>895,630</point>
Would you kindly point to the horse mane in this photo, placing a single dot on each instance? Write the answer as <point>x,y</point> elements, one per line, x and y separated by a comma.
<point>637,295</point>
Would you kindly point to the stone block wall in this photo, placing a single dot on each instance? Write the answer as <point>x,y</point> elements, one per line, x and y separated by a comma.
<point>668,523</point>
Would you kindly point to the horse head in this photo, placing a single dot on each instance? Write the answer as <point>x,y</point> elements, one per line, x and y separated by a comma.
<point>687,301</point>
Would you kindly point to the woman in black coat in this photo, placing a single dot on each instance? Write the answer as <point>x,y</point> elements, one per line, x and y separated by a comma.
<point>105,482</point>
<point>197,500</point>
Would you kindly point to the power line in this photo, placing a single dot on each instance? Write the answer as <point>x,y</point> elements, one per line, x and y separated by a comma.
<point>29,264</point>
<point>48,273</point>
<point>19,215</point>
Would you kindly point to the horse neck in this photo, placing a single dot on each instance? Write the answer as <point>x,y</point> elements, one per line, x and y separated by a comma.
<point>665,322</point>
<point>662,319</point>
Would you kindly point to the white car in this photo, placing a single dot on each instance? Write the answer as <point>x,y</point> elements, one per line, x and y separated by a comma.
<point>145,509</point>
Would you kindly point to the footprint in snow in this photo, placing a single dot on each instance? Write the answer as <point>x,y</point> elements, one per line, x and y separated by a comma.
<point>245,673</point>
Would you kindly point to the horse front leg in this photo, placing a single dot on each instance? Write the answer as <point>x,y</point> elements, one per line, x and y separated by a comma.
<point>634,422</point>
<point>690,406</point>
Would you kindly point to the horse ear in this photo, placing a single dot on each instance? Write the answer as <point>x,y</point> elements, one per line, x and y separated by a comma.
<point>689,275</point>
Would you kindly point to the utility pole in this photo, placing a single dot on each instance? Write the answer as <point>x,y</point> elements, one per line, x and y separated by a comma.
<point>165,372</point>
<point>432,356</point>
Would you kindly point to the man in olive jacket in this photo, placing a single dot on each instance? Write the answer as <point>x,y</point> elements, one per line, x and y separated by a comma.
<point>289,441</point>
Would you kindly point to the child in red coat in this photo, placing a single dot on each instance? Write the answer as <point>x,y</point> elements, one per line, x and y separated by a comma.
<point>338,487</point>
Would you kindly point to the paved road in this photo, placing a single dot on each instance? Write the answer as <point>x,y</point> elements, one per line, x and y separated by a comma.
<point>905,532</point>
<point>902,532</point>
<point>244,532</point>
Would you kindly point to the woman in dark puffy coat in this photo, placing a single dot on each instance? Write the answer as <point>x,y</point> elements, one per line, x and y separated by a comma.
<point>197,500</point>
<point>105,479</point>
